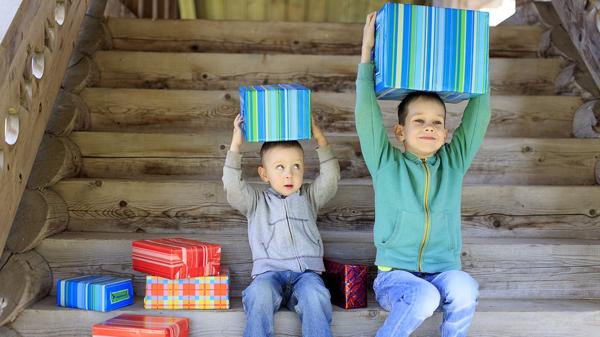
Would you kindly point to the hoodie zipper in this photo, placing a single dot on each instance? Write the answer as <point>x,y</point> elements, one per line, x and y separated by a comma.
<point>287,219</point>
<point>427,218</point>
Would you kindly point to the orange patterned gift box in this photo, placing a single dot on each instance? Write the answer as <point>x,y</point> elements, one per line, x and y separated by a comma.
<point>127,325</point>
<point>206,292</point>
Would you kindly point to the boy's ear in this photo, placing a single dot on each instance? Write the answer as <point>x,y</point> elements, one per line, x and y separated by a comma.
<point>262,173</point>
<point>399,132</point>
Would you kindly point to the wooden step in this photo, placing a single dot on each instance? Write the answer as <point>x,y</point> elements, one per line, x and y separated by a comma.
<point>283,37</point>
<point>505,268</point>
<point>206,71</point>
<point>195,111</point>
<point>494,318</point>
<point>550,161</point>
<point>192,206</point>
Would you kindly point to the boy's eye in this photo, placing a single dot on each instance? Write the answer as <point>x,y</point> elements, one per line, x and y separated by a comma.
<point>279,167</point>
<point>420,121</point>
<point>296,166</point>
<point>437,122</point>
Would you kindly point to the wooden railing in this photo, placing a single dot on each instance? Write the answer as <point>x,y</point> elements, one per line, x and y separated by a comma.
<point>34,55</point>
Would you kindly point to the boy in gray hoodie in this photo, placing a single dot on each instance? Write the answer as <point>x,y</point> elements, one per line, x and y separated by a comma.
<point>287,250</point>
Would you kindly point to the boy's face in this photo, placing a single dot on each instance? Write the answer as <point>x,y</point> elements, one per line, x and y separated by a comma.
<point>424,131</point>
<point>283,169</point>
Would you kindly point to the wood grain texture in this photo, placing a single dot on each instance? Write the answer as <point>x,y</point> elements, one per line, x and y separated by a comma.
<point>207,71</point>
<point>57,158</point>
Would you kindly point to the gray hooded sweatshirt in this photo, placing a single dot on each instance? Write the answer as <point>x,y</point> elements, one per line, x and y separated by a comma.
<point>282,231</point>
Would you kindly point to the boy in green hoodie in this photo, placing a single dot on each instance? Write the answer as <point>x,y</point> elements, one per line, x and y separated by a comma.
<point>417,203</point>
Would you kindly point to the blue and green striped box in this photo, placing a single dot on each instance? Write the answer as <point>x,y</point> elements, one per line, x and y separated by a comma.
<point>275,112</point>
<point>94,292</point>
<point>431,49</point>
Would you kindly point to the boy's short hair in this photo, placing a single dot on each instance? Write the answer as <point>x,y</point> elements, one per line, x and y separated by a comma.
<point>413,96</point>
<point>285,144</point>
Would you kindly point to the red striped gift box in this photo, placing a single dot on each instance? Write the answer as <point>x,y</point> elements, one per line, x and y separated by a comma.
<point>127,325</point>
<point>176,258</point>
<point>347,284</point>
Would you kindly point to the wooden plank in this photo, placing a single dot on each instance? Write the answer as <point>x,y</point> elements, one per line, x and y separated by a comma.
<point>494,318</point>
<point>296,10</point>
<point>319,72</point>
<point>213,10</point>
<point>235,9</point>
<point>276,10</point>
<point>181,205</point>
<point>523,161</point>
<point>70,254</point>
<point>197,111</point>
<point>285,37</point>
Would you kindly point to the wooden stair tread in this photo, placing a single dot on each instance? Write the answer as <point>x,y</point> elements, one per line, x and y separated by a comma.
<point>494,318</point>
<point>286,37</point>
<point>130,109</point>
<point>530,76</point>
<point>505,267</point>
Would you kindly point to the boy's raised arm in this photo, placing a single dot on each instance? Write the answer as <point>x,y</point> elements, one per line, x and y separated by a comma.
<point>469,135</point>
<point>374,143</point>
<point>240,195</point>
<point>325,185</point>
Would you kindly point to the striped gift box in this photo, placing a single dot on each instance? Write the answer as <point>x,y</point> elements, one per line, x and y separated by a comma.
<point>127,325</point>
<point>431,49</point>
<point>94,292</point>
<point>176,258</point>
<point>275,112</point>
<point>347,284</point>
<point>206,292</point>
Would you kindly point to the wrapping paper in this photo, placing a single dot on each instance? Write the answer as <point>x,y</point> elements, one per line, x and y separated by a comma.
<point>176,258</point>
<point>275,112</point>
<point>431,49</point>
<point>127,325</point>
<point>347,284</point>
<point>94,292</point>
<point>206,292</point>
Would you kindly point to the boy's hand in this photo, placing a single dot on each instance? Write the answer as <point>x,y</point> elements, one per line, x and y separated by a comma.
<point>318,134</point>
<point>237,139</point>
<point>368,41</point>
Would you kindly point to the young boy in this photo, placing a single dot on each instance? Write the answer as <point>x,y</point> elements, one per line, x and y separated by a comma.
<point>417,203</point>
<point>287,250</point>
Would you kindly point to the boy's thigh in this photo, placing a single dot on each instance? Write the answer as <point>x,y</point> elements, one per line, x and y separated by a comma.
<point>455,284</point>
<point>401,286</point>
<point>308,287</point>
<point>268,285</point>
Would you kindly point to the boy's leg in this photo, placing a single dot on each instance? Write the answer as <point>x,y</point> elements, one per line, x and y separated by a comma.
<point>459,293</point>
<point>312,301</point>
<point>408,298</point>
<point>261,300</point>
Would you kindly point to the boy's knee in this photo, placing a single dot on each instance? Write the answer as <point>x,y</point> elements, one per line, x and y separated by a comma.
<point>463,290</point>
<point>316,297</point>
<point>261,295</point>
<point>423,299</point>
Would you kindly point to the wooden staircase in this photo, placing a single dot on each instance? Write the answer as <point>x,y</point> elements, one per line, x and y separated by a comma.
<point>161,104</point>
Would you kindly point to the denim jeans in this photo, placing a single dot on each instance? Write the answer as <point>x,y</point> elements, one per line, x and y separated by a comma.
<point>411,297</point>
<point>304,293</point>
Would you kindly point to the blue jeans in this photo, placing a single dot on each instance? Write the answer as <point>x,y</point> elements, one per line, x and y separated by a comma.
<point>304,293</point>
<point>411,297</point>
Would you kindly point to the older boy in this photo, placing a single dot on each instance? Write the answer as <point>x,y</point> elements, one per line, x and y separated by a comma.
<point>417,203</point>
<point>287,250</point>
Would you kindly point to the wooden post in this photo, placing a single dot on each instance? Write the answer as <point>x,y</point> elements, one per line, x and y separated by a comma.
<point>70,113</point>
<point>57,158</point>
<point>24,279</point>
<point>41,213</point>
<point>586,122</point>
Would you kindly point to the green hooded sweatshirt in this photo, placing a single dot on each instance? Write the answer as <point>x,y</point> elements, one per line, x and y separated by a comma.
<point>417,202</point>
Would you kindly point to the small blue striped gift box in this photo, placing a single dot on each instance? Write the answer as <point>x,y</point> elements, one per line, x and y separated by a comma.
<point>275,112</point>
<point>431,49</point>
<point>94,292</point>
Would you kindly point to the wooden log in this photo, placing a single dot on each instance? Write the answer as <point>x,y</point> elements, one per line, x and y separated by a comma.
<point>74,253</point>
<point>24,279</point>
<point>41,213</point>
<point>573,81</point>
<point>523,161</point>
<point>8,332</point>
<point>94,35</point>
<point>57,158</point>
<point>586,122</point>
<point>182,203</point>
<point>580,19</point>
<point>198,111</point>
<point>70,113</point>
<point>81,74</point>
<point>494,318</point>
<point>319,72</point>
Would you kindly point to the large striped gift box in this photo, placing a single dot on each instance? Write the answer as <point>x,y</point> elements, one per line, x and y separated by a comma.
<point>431,49</point>
<point>347,284</point>
<point>205,292</point>
<point>94,292</point>
<point>176,258</point>
<point>128,325</point>
<point>275,112</point>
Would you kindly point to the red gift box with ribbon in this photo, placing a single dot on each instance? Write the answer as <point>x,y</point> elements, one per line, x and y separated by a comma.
<point>127,325</point>
<point>176,258</point>
<point>347,284</point>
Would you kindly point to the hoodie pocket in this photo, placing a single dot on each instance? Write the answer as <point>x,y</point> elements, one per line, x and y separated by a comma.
<point>407,232</point>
